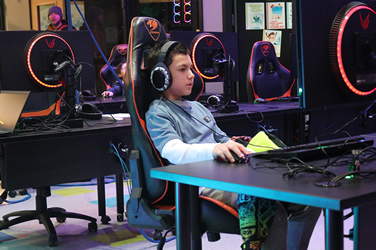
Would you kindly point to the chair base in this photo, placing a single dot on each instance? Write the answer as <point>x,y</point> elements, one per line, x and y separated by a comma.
<point>44,215</point>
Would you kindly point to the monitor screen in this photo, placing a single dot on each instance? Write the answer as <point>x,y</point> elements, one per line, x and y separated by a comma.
<point>336,48</point>
<point>36,61</point>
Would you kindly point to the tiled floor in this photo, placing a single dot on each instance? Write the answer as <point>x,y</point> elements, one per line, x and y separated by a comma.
<point>73,233</point>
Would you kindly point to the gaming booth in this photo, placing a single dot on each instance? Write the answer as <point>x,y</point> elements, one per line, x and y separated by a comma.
<point>323,97</point>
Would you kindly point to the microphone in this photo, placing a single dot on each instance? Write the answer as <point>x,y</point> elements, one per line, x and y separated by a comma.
<point>62,66</point>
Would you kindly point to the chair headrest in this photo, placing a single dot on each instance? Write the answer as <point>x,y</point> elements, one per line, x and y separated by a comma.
<point>118,54</point>
<point>264,50</point>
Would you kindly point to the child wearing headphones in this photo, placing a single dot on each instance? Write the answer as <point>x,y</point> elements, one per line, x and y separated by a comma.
<point>185,131</point>
<point>117,87</point>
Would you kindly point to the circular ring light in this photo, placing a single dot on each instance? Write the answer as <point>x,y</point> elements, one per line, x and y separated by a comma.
<point>337,39</point>
<point>42,45</point>
<point>204,40</point>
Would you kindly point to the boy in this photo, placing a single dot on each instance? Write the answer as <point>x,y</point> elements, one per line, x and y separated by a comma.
<point>185,131</point>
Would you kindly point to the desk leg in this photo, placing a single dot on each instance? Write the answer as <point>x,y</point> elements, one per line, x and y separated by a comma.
<point>120,197</point>
<point>364,224</point>
<point>182,217</point>
<point>195,216</point>
<point>102,200</point>
<point>333,229</point>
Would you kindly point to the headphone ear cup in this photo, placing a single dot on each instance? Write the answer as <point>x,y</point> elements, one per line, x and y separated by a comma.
<point>89,111</point>
<point>160,77</point>
<point>215,100</point>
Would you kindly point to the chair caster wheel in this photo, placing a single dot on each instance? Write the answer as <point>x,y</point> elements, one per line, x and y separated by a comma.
<point>23,192</point>
<point>105,219</point>
<point>93,227</point>
<point>157,235</point>
<point>12,194</point>
<point>60,219</point>
<point>120,217</point>
<point>52,241</point>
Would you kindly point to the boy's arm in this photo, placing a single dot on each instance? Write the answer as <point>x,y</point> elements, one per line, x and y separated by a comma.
<point>178,152</point>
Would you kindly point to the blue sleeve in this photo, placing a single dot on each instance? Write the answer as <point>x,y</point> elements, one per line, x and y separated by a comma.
<point>160,127</point>
<point>117,89</point>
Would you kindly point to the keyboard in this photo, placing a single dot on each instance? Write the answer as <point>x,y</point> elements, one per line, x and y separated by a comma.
<point>315,150</point>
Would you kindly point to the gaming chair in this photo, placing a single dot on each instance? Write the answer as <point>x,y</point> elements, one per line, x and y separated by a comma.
<point>152,201</point>
<point>118,55</point>
<point>266,77</point>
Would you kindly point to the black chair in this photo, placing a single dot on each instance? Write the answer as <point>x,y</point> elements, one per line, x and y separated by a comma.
<point>117,56</point>
<point>152,201</point>
<point>266,77</point>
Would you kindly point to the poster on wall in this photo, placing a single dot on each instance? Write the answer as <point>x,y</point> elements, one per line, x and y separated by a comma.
<point>275,15</point>
<point>254,16</point>
<point>275,37</point>
<point>289,15</point>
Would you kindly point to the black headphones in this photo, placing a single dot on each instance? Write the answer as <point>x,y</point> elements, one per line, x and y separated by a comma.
<point>160,75</point>
<point>89,111</point>
<point>216,100</point>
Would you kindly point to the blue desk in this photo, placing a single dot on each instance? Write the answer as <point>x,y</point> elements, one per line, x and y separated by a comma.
<point>269,183</point>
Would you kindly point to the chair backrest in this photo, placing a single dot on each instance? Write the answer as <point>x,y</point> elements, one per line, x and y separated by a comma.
<point>144,33</point>
<point>117,56</point>
<point>266,77</point>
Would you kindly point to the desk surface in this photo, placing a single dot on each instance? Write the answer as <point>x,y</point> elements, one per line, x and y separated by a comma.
<point>269,183</point>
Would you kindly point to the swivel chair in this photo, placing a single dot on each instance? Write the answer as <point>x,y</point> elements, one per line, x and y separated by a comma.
<point>118,55</point>
<point>152,202</point>
<point>266,77</point>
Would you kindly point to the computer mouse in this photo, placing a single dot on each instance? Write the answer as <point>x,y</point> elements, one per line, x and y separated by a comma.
<point>260,100</point>
<point>238,159</point>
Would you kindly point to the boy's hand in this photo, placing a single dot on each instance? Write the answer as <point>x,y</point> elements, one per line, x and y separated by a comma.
<point>222,151</point>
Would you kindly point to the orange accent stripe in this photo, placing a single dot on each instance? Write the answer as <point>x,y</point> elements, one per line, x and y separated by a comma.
<point>222,205</point>
<point>44,112</point>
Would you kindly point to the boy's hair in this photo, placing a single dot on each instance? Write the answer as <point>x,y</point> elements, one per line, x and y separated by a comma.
<point>118,68</point>
<point>177,48</point>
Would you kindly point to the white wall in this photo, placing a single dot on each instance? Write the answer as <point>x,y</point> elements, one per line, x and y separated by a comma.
<point>212,15</point>
<point>17,15</point>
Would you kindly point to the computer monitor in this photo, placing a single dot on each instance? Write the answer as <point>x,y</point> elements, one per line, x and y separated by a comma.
<point>336,52</point>
<point>37,61</point>
<point>212,54</point>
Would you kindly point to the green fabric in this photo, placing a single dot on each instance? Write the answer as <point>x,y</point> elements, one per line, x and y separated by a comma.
<point>255,216</point>
<point>263,142</point>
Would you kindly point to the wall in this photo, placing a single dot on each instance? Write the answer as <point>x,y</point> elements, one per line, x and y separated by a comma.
<point>17,15</point>
<point>212,15</point>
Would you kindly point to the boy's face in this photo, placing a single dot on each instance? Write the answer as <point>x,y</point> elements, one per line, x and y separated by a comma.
<point>182,77</point>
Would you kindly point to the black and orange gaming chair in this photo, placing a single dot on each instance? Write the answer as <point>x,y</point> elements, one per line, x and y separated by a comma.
<point>117,56</point>
<point>266,77</point>
<point>152,201</point>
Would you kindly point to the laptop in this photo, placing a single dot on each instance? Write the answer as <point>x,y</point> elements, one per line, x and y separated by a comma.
<point>11,106</point>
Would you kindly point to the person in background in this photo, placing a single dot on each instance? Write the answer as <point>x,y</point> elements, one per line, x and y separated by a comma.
<point>117,87</point>
<point>55,16</point>
<point>185,131</point>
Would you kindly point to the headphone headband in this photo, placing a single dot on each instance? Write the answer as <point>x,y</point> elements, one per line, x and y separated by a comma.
<point>164,50</point>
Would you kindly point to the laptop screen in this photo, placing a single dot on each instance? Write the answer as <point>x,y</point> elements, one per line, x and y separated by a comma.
<point>11,105</point>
